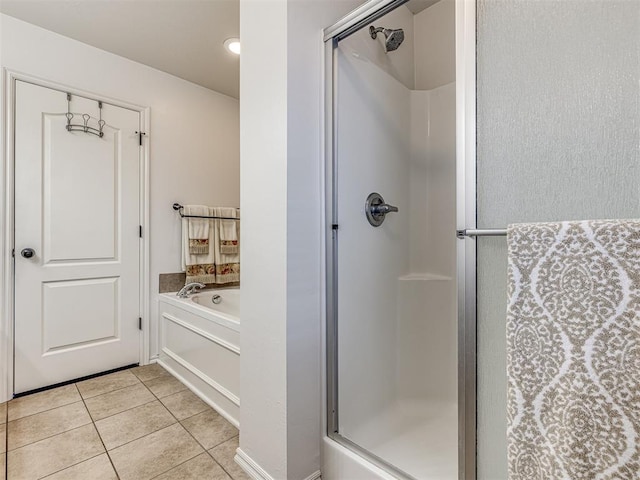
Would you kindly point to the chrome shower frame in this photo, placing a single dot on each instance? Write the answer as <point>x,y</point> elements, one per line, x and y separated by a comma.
<point>465,18</point>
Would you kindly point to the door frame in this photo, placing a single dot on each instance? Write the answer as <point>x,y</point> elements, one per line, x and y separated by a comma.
<point>465,37</point>
<point>7,218</point>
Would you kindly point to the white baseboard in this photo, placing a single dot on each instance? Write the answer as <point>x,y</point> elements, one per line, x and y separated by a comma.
<point>251,468</point>
<point>256,472</point>
<point>317,475</point>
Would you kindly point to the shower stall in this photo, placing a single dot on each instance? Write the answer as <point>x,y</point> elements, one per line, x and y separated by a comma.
<point>395,271</point>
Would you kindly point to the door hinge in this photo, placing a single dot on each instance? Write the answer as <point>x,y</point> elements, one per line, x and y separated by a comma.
<point>139,323</point>
<point>140,134</point>
<point>334,226</point>
<point>140,231</point>
<point>13,253</point>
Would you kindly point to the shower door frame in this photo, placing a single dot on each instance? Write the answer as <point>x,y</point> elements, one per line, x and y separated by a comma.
<point>465,37</point>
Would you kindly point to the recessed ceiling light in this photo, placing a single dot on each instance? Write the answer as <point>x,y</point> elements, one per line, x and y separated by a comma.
<point>233,45</point>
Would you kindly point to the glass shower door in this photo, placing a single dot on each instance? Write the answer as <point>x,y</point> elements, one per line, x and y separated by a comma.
<point>394,280</point>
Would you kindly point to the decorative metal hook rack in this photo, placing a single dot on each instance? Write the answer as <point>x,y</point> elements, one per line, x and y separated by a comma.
<point>179,208</point>
<point>85,118</point>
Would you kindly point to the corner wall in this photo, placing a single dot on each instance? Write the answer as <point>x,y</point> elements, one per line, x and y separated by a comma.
<point>282,206</point>
<point>193,139</point>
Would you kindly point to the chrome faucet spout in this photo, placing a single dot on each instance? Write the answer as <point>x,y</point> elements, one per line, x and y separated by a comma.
<point>190,288</point>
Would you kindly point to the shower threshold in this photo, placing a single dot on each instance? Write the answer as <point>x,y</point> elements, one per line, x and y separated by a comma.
<point>419,437</point>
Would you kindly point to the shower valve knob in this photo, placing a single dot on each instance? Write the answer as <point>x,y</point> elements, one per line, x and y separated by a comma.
<point>376,209</point>
<point>383,209</point>
<point>27,252</point>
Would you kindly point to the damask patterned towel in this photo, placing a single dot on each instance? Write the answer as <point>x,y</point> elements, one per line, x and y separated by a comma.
<point>573,351</point>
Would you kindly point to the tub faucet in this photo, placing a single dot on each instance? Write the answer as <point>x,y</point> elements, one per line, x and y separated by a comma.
<point>189,288</point>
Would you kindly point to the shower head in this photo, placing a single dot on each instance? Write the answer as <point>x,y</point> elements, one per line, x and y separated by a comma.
<point>393,37</point>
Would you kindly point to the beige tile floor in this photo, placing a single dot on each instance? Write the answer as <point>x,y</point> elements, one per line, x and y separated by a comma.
<point>137,424</point>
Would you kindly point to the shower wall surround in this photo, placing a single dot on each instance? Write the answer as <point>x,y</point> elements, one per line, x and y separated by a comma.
<point>558,138</point>
<point>396,351</point>
<point>399,63</point>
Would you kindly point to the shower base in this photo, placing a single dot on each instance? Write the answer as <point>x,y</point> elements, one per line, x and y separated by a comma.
<point>417,437</point>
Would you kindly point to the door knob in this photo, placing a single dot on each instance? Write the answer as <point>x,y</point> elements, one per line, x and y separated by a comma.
<point>28,252</point>
<point>377,210</point>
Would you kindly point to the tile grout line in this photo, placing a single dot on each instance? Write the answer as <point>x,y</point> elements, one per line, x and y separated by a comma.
<point>206,450</point>
<point>192,436</point>
<point>118,413</point>
<point>91,420</point>
<point>99,436</point>
<point>110,391</point>
<point>119,389</point>
<point>172,393</point>
<point>70,466</point>
<point>176,466</point>
<point>46,438</point>
<point>153,378</point>
<point>82,399</point>
<point>158,399</point>
<point>222,466</point>
<point>146,435</point>
<point>43,411</point>
<point>188,432</point>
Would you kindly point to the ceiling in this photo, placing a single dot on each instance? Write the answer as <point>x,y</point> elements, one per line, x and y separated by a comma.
<point>180,37</point>
<point>416,6</point>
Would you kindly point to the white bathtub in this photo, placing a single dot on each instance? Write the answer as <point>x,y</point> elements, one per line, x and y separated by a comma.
<point>200,345</point>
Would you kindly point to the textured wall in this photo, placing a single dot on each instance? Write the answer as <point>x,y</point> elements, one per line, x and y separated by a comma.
<point>558,139</point>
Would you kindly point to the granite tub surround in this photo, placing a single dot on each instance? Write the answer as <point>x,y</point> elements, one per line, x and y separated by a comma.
<point>137,424</point>
<point>172,282</point>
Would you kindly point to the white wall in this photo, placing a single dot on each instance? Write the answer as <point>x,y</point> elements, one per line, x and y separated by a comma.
<point>263,165</point>
<point>305,174</point>
<point>281,88</point>
<point>194,134</point>
<point>434,44</point>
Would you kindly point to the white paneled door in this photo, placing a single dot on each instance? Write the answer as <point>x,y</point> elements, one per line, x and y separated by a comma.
<point>77,245</point>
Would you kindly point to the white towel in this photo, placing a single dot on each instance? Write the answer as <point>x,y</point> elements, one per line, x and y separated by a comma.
<point>228,230</point>
<point>198,229</point>
<point>200,267</point>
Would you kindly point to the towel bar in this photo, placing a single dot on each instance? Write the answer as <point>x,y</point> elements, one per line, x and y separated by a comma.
<point>472,232</point>
<point>178,208</point>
